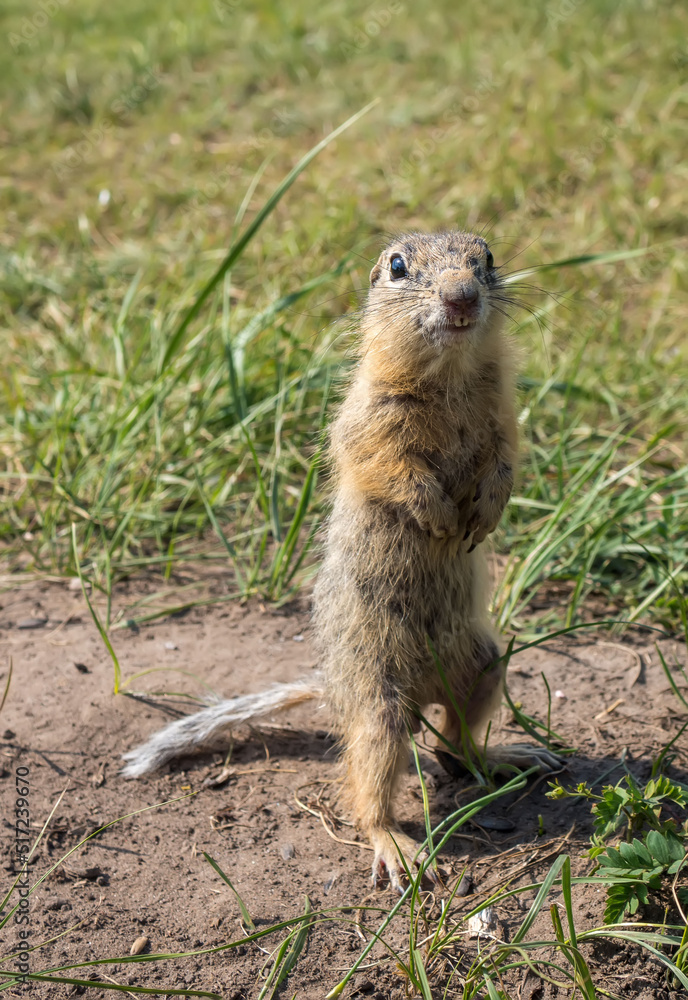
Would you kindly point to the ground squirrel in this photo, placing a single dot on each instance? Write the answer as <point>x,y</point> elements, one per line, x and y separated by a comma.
<point>423,453</point>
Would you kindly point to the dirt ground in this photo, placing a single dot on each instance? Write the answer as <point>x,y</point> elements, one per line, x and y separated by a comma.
<point>146,876</point>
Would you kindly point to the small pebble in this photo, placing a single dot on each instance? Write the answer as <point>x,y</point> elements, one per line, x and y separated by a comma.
<point>297,638</point>
<point>481,922</point>
<point>559,694</point>
<point>287,851</point>
<point>139,944</point>
<point>171,645</point>
<point>32,623</point>
<point>465,885</point>
<point>8,735</point>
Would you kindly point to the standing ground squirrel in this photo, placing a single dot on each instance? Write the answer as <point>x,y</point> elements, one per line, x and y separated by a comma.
<point>423,452</point>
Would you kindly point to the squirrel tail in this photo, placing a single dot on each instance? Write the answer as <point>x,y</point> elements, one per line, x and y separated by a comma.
<point>201,730</point>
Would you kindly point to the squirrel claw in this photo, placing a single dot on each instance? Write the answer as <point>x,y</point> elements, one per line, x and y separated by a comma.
<point>387,862</point>
<point>432,875</point>
<point>394,871</point>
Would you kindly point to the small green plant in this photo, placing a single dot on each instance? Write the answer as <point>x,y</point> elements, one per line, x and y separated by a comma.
<point>638,867</point>
<point>626,804</point>
<point>626,807</point>
<point>638,864</point>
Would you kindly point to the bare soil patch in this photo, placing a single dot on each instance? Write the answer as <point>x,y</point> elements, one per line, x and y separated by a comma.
<point>146,876</point>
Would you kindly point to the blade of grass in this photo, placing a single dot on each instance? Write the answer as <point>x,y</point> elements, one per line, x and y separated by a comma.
<point>422,975</point>
<point>36,977</point>
<point>608,257</point>
<point>94,615</point>
<point>7,686</point>
<point>447,828</point>
<point>238,247</point>
<point>242,906</point>
<point>229,548</point>
<point>424,792</point>
<point>286,960</point>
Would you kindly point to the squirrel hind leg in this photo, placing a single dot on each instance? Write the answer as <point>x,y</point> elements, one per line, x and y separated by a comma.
<point>476,707</point>
<point>375,756</point>
<point>463,730</point>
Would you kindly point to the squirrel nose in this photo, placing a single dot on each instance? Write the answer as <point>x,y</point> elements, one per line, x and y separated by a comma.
<point>458,291</point>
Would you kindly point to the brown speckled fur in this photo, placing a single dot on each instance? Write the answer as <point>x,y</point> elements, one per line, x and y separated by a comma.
<point>423,452</point>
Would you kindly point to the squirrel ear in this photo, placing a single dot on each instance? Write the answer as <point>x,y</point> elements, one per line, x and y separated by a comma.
<point>375,274</point>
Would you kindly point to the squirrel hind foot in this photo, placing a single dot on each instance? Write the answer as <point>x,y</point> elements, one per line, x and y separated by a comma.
<point>390,847</point>
<point>523,756</point>
<point>516,756</point>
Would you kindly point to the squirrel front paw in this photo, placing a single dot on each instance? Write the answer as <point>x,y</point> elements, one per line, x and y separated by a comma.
<point>490,497</point>
<point>436,515</point>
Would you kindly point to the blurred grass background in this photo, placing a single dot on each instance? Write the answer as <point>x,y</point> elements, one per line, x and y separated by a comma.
<point>135,143</point>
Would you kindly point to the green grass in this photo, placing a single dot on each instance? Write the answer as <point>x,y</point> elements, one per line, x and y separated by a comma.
<point>137,437</point>
<point>167,442</point>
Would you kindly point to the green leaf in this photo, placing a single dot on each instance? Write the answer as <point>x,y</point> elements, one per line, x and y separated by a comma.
<point>298,941</point>
<point>537,903</point>
<point>629,856</point>
<point>643,853</point>
<point>608,811</point>
<point>612,859</point>
<point>665,847</point>
<point>663,788</point>
<point>492,991</point>
<point>94,615</point>
<point>623,898</point>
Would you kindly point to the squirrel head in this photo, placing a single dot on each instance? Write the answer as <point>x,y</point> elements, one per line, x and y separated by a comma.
<point>438,291</point>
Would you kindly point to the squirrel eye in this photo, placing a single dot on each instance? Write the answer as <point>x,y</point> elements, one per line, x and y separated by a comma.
<point>489,259</point>
<point>397,268</point>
